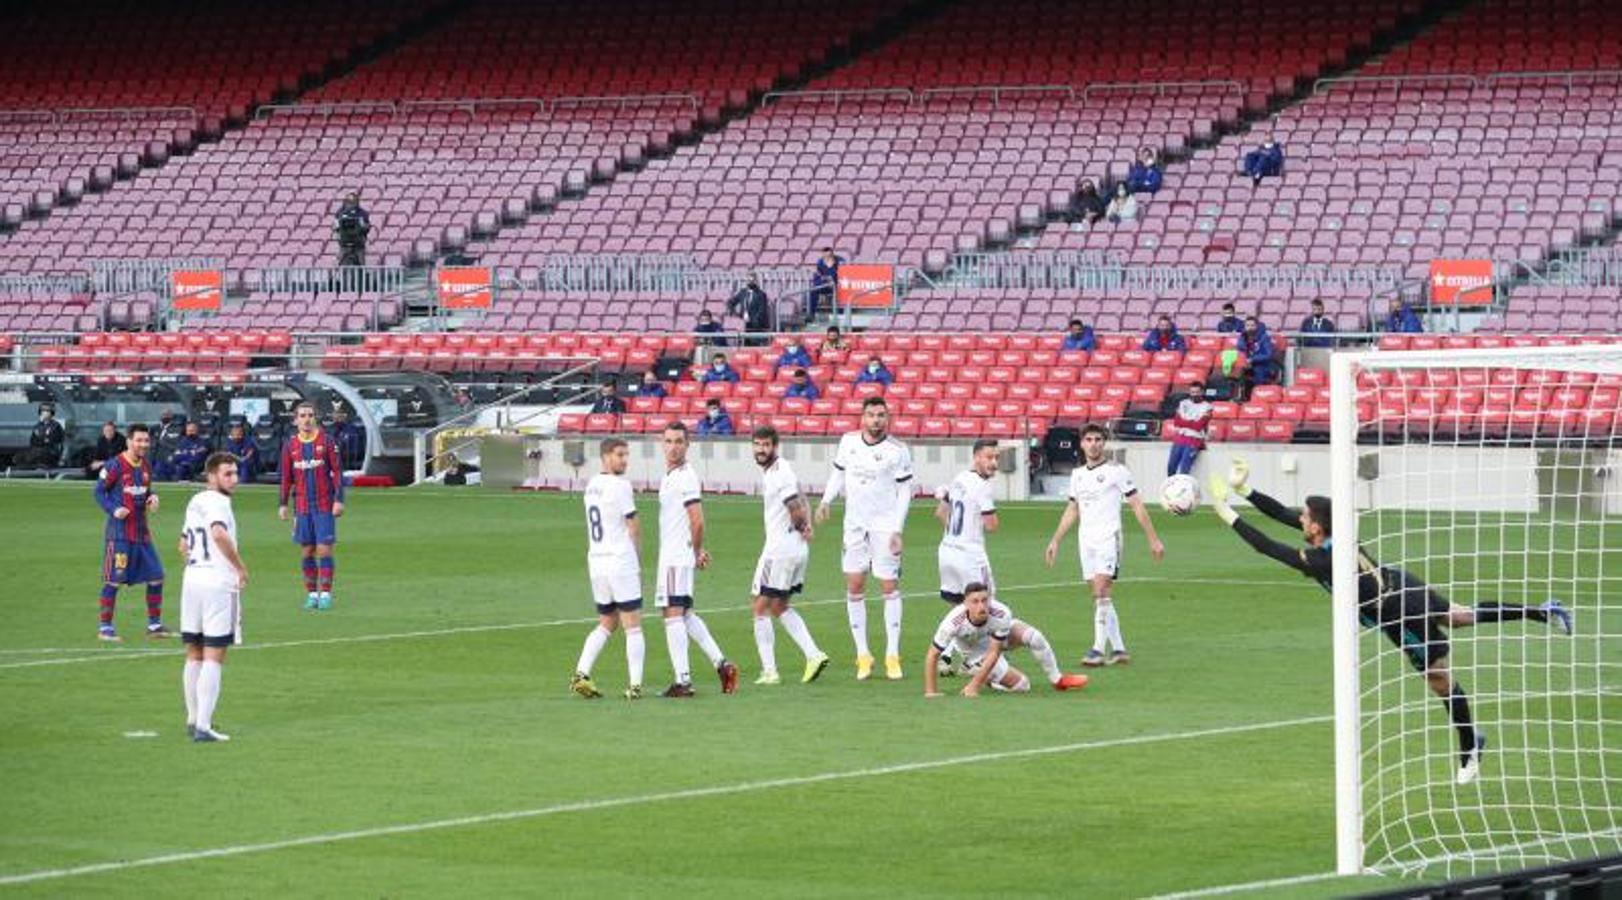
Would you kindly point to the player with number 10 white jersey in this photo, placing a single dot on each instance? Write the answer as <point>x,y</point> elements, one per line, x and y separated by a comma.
<point>968,510</point>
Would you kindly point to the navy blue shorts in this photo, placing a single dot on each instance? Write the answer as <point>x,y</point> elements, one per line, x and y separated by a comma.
<point>315,528</point>
<point>126,562</point>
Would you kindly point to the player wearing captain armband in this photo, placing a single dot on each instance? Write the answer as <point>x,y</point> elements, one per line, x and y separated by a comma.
<point>982,630</point>
<point>1410,613</point>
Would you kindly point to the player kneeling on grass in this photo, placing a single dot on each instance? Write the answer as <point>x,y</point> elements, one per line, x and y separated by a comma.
<point>1410,613</point>
<point>210,594</point>
<point>981,630</point>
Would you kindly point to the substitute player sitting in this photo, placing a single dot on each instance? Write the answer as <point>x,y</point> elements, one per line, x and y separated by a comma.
<point>982,631</point>
<point>1410,613</point>
<point>1097,489</point>
<point>874,471</point>
<point>967,510</point>
<point>210,594</point>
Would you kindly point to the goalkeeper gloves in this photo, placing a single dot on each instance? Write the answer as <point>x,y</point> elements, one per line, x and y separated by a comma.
<point>1239,477</point>
<point>1219,500</point>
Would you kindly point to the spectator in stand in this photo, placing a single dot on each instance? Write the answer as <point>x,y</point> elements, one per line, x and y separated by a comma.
<point>1266,161</point>
<point>240,444</point>
<point>1187,430</point>
<point>802,386</point>
<point>651,386</point>
<point>753,306</point>
<point>1257,346</point>
<point>108,445</point>
<point>719,370</point>
<point>1145,176</point>
<point>1317,323</point>
<point>716,421</point>
<point>1230,323</point>
<point>350,436</point>
<point>875,373</point>
<point>1401,318</point>
<point>1086,204</point>
<point>835,349</point>
<point>794,355</point>
<point>188,457</point>
<point>707,326</point>
<point>824,283</point>
<point>608,401</point>
<point>1123,207</point>
<point>1164,336</point>
<point>1078,337</point>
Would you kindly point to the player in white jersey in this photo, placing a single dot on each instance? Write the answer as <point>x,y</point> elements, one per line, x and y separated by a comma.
<point>874,471</point>
<point>780,574</point>
<point>613,535</point>
<point>210,594</point>
<point>681,552</point>
<point>982,631</point>
<point>1097,489</point>
<point>967,510</point>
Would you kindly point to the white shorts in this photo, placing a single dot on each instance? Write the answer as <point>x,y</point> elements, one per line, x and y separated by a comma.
<point>997,671</point>
<point>779,577</point>
<point>1101,558</point>
<point>621,590</point>
<point>675,587</point>
<point>866,550</point>
<point>209,610</point>
<point>959,568</point>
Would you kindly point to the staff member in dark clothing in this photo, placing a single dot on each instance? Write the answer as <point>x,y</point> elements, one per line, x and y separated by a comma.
<point>352,226</point>
<point>752,304</point>
<point>350,436</point>
<point>45,442</point>
<point>825,281</point>
<point>108,445</point>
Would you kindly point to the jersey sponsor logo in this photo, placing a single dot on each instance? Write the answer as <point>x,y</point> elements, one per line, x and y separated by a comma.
<point>307,464</point>
<point>136,490</point>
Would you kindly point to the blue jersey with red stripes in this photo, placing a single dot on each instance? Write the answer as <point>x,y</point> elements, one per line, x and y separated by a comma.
<point>125,484</point>
<point>311,475</point>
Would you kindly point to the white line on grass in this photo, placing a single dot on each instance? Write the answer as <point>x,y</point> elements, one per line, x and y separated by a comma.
<point>1246,886</point>
<point>720,790</point>
<point>105,655</point>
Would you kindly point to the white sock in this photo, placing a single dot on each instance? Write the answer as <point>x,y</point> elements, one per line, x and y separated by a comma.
<point>700,633</point>
<point>766,643</point>
<point>795,626</point>
<point>892,623</point>
<point>595,642</point>
<point>1101,625</point>
<point>208,693</point>
<point>636,651</point>
<point>188,683</point>
<point>856,610</point>
<point>676,643</point>
<point>1115,630</point>
<point>1039,647</point>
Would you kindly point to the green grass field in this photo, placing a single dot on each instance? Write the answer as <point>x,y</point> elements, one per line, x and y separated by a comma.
<point>419,739</point>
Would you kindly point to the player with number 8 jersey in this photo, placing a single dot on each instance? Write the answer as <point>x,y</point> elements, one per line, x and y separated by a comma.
<point>612,535</point>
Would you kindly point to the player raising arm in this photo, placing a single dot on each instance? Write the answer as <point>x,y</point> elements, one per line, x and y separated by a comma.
<point>1410,613</point>
<point>983,630</point>
<point>1097,489</point>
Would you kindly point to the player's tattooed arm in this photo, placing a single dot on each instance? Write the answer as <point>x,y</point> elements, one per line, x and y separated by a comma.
<point>799,516</point>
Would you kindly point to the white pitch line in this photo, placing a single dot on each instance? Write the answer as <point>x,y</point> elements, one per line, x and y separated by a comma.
<point>1246,886</point>
<point>720,790</point>
<point>105,655</point>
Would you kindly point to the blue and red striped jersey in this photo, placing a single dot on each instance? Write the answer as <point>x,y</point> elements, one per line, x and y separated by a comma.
<point>125,483</point>
<point>311,474</point>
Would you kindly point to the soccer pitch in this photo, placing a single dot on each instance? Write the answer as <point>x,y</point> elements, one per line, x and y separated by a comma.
<point>419,739</point>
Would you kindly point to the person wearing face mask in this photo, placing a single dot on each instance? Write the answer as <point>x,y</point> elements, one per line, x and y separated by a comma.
<point>752,304</point>
<point>1267,161</point>
<point>1145,177</point>
<point>1187,430</point>
<point>875,373</point>
<point>802,387</point>
<point>44,442</point>
<point>719,370</point>
<point>651,386</point>
<point>1318,323</point>
<point>794,356</point>
<point>1123,207</point>
<point>716,422</point>
<point>708,326</point>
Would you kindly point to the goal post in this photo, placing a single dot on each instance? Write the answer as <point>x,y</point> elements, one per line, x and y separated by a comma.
<point>1494,476</point>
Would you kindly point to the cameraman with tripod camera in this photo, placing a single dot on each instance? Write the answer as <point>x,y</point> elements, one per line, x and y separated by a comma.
<point>352,226</point>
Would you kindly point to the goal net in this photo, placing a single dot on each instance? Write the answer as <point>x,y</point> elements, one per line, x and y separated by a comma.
<point>1494,477</point>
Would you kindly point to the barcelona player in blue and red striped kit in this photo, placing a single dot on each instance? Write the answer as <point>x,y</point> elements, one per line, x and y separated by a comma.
<point>313,478</point>
<point>124,491</point>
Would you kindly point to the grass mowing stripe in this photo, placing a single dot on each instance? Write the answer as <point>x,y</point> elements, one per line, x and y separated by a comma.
<point>719,790</point>
<point>1246,886</point>
<point>137,653</point>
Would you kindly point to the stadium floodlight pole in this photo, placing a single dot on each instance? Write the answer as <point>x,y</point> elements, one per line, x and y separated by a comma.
<point>1344,622</point>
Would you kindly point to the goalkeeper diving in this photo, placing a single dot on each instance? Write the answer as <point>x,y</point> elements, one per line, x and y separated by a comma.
<point>1411,614</point>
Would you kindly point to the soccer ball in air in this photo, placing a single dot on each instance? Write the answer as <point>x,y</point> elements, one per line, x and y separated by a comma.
<point>1180,494</point>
